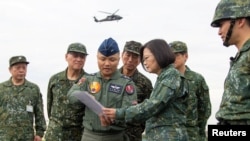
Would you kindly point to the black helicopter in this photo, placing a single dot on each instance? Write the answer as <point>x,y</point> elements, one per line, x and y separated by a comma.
<point>111,17</point>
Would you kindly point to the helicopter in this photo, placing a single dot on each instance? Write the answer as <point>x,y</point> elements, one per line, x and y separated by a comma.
<point>111,17</point>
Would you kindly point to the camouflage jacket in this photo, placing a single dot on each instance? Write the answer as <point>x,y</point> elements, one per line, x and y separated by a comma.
<point>58,107</point>
<point>199,105</point>
<point>118,91</point>
<point>235,104</point>
<point>21,107</point>
<point>143,88</point>
<point>166,105</point>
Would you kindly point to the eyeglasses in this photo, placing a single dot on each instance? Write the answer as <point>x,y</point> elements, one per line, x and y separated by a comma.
<point>146,58</point>
<point>76,55</point>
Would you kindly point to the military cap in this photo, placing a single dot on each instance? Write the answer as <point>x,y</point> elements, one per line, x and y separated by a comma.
<point>133,46</point>
<point>230,9</point>
<point>178,46</point>
<point>77,47</point>
<point>18,59</point>
<point>109,47</point>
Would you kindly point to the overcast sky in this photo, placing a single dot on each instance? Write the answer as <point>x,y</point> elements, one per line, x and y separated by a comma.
<point>42,31</point>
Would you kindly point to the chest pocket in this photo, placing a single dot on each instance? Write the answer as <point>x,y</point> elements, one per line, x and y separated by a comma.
<point>115,95</point>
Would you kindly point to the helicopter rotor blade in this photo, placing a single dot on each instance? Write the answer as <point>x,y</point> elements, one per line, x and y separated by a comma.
<point>116,11</point>
<point>105,12</point>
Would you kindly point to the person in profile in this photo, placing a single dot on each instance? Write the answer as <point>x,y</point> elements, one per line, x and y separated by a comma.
<point>232,17</point>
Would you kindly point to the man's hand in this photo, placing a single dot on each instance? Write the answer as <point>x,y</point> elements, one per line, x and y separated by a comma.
<point>110,113</point>
<point>37,138</point>
<point>108,116</point>
<point>105,121</point>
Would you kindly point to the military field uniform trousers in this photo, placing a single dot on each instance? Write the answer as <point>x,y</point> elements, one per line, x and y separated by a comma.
<point>94,136</point>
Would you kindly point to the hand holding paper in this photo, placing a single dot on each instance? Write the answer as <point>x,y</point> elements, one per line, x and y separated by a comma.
<point>89,101</point>
<point>109,112</point>
<point>94,105</point>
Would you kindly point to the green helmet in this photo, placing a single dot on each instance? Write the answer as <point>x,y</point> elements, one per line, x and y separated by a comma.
<point>230,9</point>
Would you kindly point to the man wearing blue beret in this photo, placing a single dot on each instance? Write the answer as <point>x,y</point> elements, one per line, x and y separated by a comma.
<point>111,89</point>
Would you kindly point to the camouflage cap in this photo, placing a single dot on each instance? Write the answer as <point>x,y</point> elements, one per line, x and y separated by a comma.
<point>108,47</point>
<point>77,47</point>
<point>230,9</point>
<point>178,46</point>
<point>18,59</point>
<point>133,46</point>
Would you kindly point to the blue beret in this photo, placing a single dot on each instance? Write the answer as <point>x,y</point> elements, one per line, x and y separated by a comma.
<point>108,47</point>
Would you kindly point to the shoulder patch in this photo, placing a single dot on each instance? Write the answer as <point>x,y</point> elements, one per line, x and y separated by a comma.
<point>130,89</point>
<point>94,87</point>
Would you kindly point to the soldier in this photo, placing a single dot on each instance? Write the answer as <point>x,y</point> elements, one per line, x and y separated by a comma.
<point>21,105</point>
<point>199,105</point>
<point>232,17</point>
<point>164,111</point>
<point>111,89</point>
<point>65,120</point>
<point>131,59</point>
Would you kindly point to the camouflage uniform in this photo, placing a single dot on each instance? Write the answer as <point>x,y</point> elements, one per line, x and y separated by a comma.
<point>199,104</point>
<point>16,122</point>
<point>143,89</point>
<point>65,120</point>
<point>235,105</point>
<point>164,111</point>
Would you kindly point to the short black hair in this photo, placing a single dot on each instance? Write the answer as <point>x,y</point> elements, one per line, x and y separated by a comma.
<point>248,20</point>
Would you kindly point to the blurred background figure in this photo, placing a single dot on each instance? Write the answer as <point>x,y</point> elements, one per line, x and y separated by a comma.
<point>199,105</point>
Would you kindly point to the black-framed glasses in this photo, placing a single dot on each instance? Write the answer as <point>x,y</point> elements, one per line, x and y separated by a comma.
<point>77,54</point>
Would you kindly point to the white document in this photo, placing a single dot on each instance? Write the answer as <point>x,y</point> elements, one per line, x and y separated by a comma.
<point>89,101</point>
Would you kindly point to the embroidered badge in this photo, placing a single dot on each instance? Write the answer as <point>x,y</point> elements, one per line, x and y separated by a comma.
<point>130,89</point>
<point>81,81</point>
<point>94,87</point>
<point>115,88</point>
